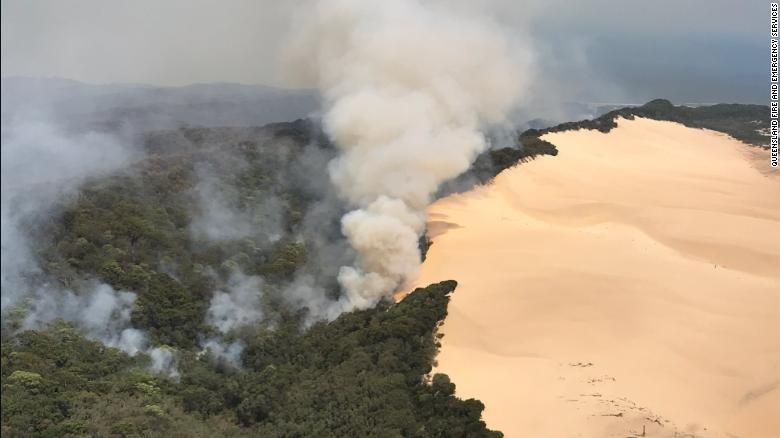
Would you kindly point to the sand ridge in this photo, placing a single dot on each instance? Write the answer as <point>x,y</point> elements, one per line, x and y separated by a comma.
<point>631,283</point>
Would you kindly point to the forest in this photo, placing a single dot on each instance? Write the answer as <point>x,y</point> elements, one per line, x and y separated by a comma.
<point>364,374</point>
<point>741,121</point>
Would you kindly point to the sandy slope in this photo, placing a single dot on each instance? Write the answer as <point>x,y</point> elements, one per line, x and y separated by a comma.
<point>633,280</point>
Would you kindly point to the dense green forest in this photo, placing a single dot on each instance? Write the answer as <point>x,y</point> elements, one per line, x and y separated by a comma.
<point>364,374</point>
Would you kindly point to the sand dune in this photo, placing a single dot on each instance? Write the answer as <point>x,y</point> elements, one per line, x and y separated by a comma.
<point>632,281</point>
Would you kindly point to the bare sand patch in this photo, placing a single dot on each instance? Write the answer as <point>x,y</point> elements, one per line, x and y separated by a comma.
<point>631,282</point>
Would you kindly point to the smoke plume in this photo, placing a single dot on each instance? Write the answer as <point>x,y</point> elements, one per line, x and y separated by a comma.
<point>407,86</point>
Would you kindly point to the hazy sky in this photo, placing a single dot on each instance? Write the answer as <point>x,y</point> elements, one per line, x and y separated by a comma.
<point>610,50</point>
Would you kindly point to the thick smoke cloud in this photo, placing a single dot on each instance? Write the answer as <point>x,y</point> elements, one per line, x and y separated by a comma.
<point>408,86</point>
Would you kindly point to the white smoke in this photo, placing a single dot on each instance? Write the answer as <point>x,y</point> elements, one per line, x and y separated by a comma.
<point>237,306</point>
<point>229,353</point>
<point>219,219</point>
<point>102,313</point>
<point>385,234</point>
<point>408,86</point>
<point>163,361</point>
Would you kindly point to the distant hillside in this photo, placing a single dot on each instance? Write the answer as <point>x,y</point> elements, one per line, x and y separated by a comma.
<point>143,107</point>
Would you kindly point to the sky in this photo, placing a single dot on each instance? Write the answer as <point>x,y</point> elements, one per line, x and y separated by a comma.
<point>589,50</point>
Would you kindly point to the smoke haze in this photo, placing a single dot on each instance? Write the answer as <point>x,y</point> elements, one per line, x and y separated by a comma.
<point>676,54</point>
<point>42,165</point>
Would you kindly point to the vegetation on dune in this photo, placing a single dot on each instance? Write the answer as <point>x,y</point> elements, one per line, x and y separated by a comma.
<point>364,374</point>
<point>743,122</point>
<point>488,166</point>
<point>490,163</point>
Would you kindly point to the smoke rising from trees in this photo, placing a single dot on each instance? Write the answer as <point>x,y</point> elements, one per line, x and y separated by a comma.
<point>407,86</point>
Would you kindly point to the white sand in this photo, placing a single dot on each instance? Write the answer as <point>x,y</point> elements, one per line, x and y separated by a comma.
<point>633,280</point>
